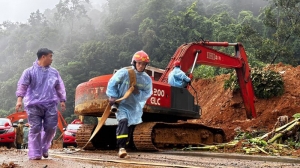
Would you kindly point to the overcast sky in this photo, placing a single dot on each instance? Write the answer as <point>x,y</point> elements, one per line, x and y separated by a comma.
<point>19,10</point>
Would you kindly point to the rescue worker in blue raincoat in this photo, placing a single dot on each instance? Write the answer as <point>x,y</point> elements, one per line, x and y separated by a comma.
<point>41,89</point>
<point>177,77</point>
<point>130,110</point>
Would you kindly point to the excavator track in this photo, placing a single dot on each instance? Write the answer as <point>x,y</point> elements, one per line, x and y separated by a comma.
<point>142,136</point>
<point>158,135</point>
<point>83,135</point>
<point>108,141</point>
<point>153,136</point>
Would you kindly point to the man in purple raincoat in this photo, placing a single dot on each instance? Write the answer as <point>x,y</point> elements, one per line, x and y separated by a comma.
<point>41,88</point>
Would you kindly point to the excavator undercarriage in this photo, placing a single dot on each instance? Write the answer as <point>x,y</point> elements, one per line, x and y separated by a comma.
<point>153,136</point>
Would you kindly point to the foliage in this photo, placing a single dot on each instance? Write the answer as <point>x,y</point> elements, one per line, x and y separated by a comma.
<point>204,72</point>
<point>282,26</point>
<point>255,142</point>
<point>231,83</point>
<point>296,116</point>
<point>266,83</point>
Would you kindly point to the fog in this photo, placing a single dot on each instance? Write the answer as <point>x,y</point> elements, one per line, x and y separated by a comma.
<point>93,39</point>
<point>19,10</point>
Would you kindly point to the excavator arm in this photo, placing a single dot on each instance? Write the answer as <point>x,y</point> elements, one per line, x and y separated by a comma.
<point>202,53</point>
<point>61,124</point>
<point>14,117</point>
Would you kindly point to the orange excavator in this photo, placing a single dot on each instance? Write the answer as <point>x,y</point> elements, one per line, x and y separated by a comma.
<point>160,128</point>
<point>14,117</point>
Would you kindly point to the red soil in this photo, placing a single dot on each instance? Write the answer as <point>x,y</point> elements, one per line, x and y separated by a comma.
<point>224,109</point>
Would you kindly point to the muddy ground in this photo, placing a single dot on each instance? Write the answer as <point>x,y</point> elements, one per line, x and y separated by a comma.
<point>220,108</point>
<point>60,158</point>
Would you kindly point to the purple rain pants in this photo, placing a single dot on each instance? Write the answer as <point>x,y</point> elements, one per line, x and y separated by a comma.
<point>43,123</point>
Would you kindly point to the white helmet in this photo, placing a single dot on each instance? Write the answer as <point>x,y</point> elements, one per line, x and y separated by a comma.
<point>21,121</point>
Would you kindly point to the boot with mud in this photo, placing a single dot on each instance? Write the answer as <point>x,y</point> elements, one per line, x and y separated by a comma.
<point>122,153</point>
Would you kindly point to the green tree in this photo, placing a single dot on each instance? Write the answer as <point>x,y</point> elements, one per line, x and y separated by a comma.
<point>282,21</point>
<point>37,19</point>
<point>71,15</point>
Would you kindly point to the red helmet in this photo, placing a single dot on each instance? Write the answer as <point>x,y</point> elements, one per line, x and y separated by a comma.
<point>176,63</point>
<point>140,56</point>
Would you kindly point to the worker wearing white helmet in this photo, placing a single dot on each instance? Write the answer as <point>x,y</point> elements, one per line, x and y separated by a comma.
<point>19,134</point>
<point>21,120</point>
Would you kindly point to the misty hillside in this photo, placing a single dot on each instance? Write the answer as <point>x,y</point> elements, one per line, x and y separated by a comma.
<point>89,41</point>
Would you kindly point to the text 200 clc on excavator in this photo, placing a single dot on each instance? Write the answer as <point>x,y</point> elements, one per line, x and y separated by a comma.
<point>167,104</point>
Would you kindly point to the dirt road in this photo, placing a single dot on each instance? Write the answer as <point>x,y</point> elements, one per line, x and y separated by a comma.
<point>91,159</point>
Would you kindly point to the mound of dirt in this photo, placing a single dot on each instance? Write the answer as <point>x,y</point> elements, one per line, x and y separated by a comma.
<point>224,109</point>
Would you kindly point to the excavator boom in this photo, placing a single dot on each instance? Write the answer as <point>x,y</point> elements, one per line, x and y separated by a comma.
<point>202,53</point>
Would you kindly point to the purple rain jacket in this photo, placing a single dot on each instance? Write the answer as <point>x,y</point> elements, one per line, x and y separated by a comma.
<point>41,85</point>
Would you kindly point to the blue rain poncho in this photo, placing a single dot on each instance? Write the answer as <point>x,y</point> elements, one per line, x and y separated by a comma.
<point>42,89</point>
<point>132,107</point>
<point>178,78</point>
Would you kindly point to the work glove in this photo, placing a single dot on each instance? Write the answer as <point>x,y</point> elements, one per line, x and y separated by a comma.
<point>112,101</point>
<point>136,90</point>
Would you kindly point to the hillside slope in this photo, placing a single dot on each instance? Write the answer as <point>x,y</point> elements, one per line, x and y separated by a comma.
<point>224,109</point>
